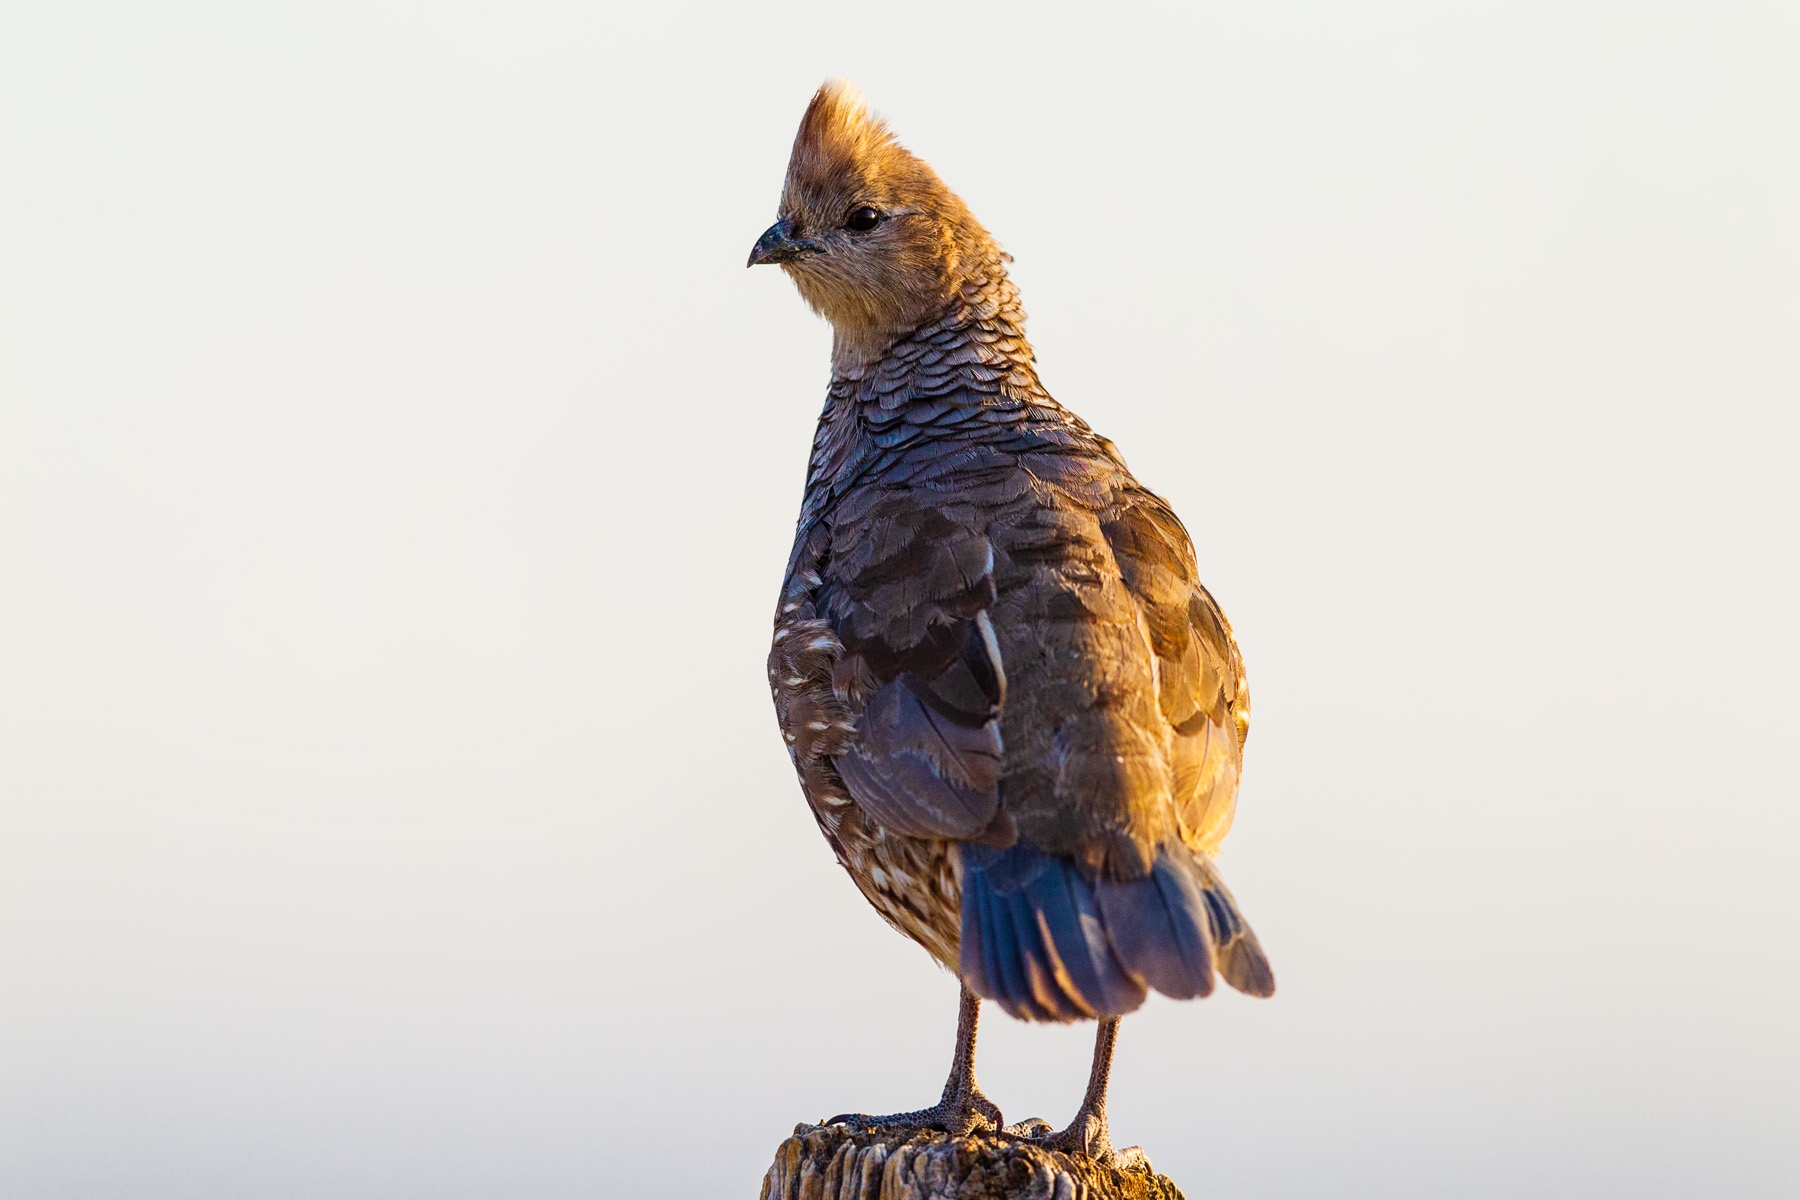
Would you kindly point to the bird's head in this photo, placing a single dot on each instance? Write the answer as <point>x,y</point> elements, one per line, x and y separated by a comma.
<point>870,235</point>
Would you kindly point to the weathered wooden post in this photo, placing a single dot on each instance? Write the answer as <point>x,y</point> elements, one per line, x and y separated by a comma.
<point>836,1162</point>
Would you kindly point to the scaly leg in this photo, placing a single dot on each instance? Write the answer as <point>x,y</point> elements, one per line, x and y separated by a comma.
<point>963,1109</point>
<point>1087,1133</point>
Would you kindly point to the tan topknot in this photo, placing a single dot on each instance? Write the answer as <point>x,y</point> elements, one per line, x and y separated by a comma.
<point>841,145</point>
<point>838,125</point>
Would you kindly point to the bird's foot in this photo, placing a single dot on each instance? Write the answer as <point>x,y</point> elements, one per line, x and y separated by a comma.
<point>957,1116</point>
<point>1087,1135</point>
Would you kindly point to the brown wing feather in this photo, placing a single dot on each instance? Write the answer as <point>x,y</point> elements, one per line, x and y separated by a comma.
<point>1201,687</point>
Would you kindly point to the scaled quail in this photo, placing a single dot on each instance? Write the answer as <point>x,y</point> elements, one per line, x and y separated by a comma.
<point>1016,713</point>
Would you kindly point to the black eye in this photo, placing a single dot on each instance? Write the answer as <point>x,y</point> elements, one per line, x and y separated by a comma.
<point>862,220</point>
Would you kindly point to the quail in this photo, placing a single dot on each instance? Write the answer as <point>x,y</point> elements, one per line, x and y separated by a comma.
<point>1016,713</point>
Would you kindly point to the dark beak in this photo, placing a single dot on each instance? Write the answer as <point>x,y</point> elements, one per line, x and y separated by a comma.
<point>778,245</point>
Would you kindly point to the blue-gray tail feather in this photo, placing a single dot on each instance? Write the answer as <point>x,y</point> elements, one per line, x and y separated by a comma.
<point>1048,945</point>
<point>1160,930</point>
<point>1236,952</point>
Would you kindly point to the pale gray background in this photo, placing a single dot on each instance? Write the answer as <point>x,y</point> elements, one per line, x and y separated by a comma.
<point>397,465</point>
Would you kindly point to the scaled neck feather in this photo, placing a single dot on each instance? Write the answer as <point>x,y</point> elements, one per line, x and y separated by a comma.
<point>985,315</point>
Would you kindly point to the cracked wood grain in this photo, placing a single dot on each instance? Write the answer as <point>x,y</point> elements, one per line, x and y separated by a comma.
<point>836,1162</point>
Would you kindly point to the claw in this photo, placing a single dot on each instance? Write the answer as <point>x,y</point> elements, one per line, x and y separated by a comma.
<point>1086,1135</point>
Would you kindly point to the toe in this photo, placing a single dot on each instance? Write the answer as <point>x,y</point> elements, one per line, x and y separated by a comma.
<point>1031,1127</point>
<point>1087,1135</point>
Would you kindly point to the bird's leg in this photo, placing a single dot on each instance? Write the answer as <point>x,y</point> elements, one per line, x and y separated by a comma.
<point>963,1109</point>
<point>1087,1133</point>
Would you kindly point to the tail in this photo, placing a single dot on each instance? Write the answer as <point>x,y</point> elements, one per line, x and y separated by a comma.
<point>1237,954</point>
<point>1047,945</point>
